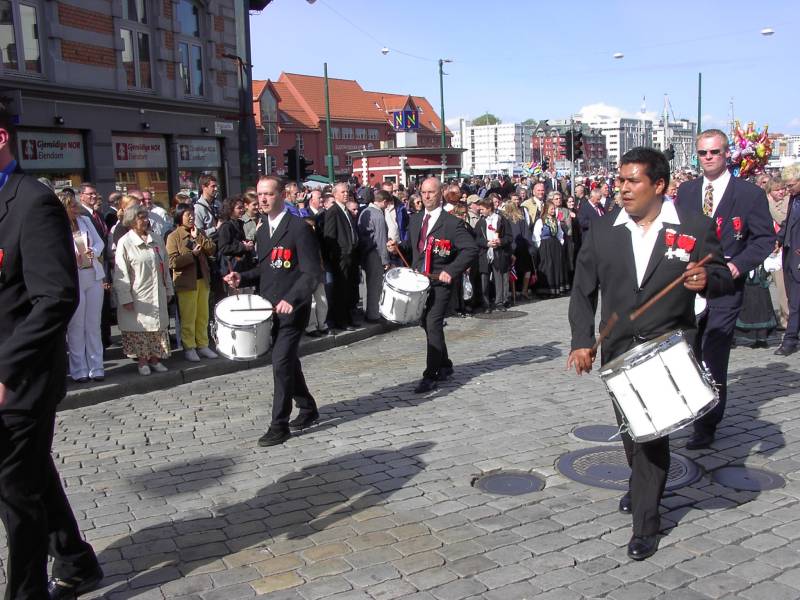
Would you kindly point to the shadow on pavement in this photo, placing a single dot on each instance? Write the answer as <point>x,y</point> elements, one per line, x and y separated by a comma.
<point>297,505</point>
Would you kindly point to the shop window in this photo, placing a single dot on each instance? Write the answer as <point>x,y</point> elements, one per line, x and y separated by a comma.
<point>190,50</point>
<point>361,133</point>
<point>269,118</point>
<point>20,50</point>
<point>347,133</point>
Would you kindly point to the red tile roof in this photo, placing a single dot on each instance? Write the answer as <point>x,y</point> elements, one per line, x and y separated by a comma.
<point>429,120</point>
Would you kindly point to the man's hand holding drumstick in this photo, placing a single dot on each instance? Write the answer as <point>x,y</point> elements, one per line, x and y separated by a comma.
<point>392,247</point>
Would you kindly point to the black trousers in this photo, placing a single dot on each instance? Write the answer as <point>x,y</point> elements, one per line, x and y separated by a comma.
<point>649,463</point>
<point>373,270</point>
<point>287,373</point>
<point>715,329</point>
<point>105,319</point>
<point>433,324</point>
<point>345,293</point>
<point>34,509</point>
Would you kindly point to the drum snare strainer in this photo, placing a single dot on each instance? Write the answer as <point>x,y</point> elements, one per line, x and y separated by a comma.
<point>659,387</point>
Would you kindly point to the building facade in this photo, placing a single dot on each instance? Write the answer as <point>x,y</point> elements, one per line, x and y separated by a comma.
<point>549,142</point>
<point>622,134</point>
<point>681,136</point>
<point>128,95</point>
<point>493,149</point>
<point>290,111</point>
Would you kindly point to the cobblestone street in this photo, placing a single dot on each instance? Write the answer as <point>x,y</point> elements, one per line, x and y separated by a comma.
<point>376,502</point>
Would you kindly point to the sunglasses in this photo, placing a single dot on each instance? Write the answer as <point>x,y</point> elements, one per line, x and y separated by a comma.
<point>712,152</point>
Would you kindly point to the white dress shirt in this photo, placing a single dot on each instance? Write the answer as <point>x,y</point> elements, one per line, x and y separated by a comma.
<point>719,185</point>
<point>434,216</point>
<point>273,223</point>
<point>644,241</point>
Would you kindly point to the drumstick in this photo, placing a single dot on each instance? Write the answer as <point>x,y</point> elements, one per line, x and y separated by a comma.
<point>606,330</point>
<point>405,262</point>
<point>677,281</point>
<point>403,258</point>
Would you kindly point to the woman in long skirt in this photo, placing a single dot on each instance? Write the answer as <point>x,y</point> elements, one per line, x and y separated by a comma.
<point>757,317</point>
<point>549,239</point>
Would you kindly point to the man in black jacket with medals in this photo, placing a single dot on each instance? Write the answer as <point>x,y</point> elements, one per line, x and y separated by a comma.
<point>439,245</point>
<point>287,272</point>
<point>629,257</point>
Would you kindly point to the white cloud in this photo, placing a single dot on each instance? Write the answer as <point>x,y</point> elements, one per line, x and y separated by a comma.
<point>794,122</point>
<point>601,111</point>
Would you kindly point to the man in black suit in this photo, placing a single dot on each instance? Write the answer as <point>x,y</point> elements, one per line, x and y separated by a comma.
<point>744,226</point>
<point>38,294</point>
<point>287,273</point>
<point>340,235</point>
<point>623,256</point>
<point>789,237</point>
<point>495,248</point>
<point>440,245</point>
<point>590,210</point>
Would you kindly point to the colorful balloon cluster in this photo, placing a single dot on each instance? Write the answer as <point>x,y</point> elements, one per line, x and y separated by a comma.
<point>532,168</point>
<point>750,150</point>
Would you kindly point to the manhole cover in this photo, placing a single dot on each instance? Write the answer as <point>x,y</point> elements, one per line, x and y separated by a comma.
<point>509,483</point>
<point>596,433</point>
<point>498,315</point>
<point>607,468</point>
<point>747,479</point>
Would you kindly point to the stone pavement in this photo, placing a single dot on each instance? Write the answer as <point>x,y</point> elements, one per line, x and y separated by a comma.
<point>376,502</point>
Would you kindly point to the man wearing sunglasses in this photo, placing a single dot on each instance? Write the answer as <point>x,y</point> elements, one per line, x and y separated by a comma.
<point>744,226</point>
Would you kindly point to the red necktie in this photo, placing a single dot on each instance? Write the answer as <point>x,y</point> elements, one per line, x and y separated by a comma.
<point>599,210</point>
<point>101,226</point>
<point>423,234</point>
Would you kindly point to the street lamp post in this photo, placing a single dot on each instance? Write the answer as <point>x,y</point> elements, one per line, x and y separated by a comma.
<point>328,138</point>
<point>441,95</point>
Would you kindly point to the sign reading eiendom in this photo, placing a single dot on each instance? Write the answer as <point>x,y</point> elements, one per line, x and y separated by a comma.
<point>198,153</point>
<point>139,152</point>
<point>45,150</point>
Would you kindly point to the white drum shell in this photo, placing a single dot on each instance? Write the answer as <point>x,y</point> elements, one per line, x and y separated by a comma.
<point>243,326</point>
<point>398,303</point>
<point>659,388</point>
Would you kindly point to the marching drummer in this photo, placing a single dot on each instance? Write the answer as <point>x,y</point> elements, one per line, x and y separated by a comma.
<point>287,272</point>
<point>629,257</point>
<point>439,245</point>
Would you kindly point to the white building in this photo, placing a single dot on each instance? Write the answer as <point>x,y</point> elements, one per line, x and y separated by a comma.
<point>493,149</point>
<point>622,133</point>
<point>680,135</point>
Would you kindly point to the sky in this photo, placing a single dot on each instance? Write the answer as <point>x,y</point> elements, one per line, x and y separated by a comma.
<point>548,60</point>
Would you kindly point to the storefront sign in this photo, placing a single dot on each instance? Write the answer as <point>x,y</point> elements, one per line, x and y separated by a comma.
<point>200,153</point>
<point>40,150</point>
<point>134,152</point>
<point>220,126</point>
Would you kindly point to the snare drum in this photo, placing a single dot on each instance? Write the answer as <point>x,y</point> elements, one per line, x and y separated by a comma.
<point>243,326</point>
<point>659,387</point>
<point>404,295</point>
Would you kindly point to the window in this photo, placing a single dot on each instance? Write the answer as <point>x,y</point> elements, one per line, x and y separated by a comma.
<point>347,133</point>
<point>269,118</point>
<point>336,133</point>
<point>348,161</point>
<point>372,134</point>
<point>136,44</point>
<point>135,10</point>
<point>190,50</point>
<point>299,143</point>
<point>19,22</point>
<point>361,133</point>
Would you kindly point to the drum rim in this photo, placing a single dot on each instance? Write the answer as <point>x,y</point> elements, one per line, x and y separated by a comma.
<point>388,284</point>
<point>271,310</point>
<point>666,340</point>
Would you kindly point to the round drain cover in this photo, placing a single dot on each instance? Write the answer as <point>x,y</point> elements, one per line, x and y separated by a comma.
<point>747,479</point>
<point>596,433</point>
<point>499,315</point>
<point>608,468</point>
<point>509,483</point>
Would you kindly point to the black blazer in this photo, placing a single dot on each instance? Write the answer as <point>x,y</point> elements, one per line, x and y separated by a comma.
<point>789,237</point>
<point>38,294</point>
<point>340,248</point>
<point>606,263</point>
<point>502,254</point>
<point>447,228</point>
<point>744,201</point>
<point>230,246</point>
<point>296,282</point>
<point>587,213</point>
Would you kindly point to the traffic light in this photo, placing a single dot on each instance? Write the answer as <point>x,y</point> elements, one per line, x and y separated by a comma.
<point>304,167</point>
<point>290,163</point>
<point>262,163</point>
<point>577,145</point>
<point>670,152</point>
<point>568,138</point>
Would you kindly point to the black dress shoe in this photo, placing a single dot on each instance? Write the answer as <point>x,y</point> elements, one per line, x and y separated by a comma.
<point>759,344</point>
<point>625,504</point>
<point>425,385</point>
<point>785,350</point>
<point>303,421</point>
<point>274,437</point>
<point>81,380</point>
<point>63,589</point>
<point>642,546</point>
<point>373,321</point>
<point>445,373</point>
<point>98,378</point>
<point>700,441</point>
<point>314,334</point>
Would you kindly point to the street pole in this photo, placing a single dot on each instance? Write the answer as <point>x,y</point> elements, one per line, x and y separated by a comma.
<point>572,154</point>
<point>699,101</point>
<point>441,96</point>
<point>328,128</point>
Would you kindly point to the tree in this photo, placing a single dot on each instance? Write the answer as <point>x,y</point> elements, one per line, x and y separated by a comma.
<point>530,122</point>
<point>486,119</point>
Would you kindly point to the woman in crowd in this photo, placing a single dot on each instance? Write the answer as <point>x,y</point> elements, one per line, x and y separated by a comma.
<point>458,303</point>
<point>234,250</point>
<point>415,204</point>
<point>522,234</point>
<point>778,206</point>
<point>757,318</point>
<point>188,249</point>
<point>250,216</point>
<point>564,218</point>
<point>83,333</point>
<point>143,288</point>
<point>548,236</point>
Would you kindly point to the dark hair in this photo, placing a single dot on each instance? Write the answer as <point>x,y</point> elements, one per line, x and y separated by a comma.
<point>382,196</point>
<point>179,210</point>
<point>7,123</point>
<point>227,207</point>
<point>205,180</point>
<point>278,182</point>
<point>656,165</point>
<point>85,185</point>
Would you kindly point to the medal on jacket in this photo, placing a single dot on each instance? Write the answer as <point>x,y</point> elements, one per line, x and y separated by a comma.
<point>287,258</point>
<point>737,228</point>
<point>276,257</point>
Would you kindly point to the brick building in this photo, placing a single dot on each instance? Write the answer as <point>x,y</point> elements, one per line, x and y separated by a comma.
<point>129,95</point>
<point>291,110</point>
<point>549,141</point>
